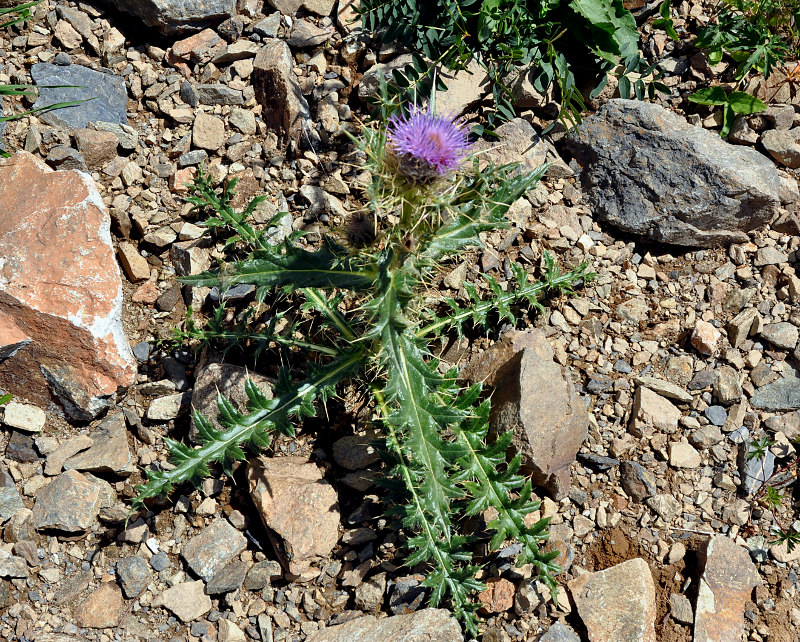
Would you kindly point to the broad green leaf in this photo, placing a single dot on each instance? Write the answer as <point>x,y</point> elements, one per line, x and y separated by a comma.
<point>743,103</point>
<point>710,96</point>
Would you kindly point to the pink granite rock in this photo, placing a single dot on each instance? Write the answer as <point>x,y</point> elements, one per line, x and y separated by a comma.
<point>61,335</point>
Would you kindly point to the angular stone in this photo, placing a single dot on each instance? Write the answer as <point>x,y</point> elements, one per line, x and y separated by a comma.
<point>109,452</point>
<point>534,398</point>
<point>426,625</point>
<point>103,92</point>
<point>306,34</point>
<point>12,566</point>
<point>201,47</point>
<point>783,146</point>
<point>617,603</point>
<point>215,546</point>
<point>665,506</point>
<point>177,16</point>
<point>518,143</point>
<point>647,171</point>
<point>10,503</point>
<point>186,600</point>
<point>783,394</point>
<point>355,452</point>
<point>638,482</point>
<point>727,388</point>
<point>664,388</point>
<point>754,471</point>
<point>228,578</point>
<point>24,417</point>
<point>498,596</point>
<point>277,90</point>
<point>68,303</point>
<point>682,455</point>
<point>208,132</point>
<point>464,89</point>
<point>727,580</point>
<point>652,411</point>
<point>56,458</point>
<point>218,94</point>
<point>169,407</point>
<point>681,608</point>
<point>705,338</point>
<point>98,148</point>
<point>781,335</point>
<point>69,503</point>
<point>102,609</point>
<point>298,507</point>
<point>742,325</point>
<point>134,575</point>
<point>227,631</point>
<point>559,632</point>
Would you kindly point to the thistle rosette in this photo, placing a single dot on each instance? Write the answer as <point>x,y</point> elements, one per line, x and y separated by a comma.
<point>425,146</point>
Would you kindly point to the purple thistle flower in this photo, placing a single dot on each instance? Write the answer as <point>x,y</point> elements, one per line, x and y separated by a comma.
<point>426,146</point>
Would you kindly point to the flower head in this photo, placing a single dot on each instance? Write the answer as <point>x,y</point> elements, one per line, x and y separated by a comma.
<point>426,146</point>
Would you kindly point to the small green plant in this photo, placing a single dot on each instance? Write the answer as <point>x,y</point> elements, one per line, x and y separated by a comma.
<point>758,35</point>
<point>736,102</point>
<point>569,43</point>
<point>365,319</point>
<point>770,493</point>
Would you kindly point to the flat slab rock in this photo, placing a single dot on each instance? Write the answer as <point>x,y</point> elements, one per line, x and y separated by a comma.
<point>177,16</point>
<point>427,625</point>
<point>618,603</point>
<point>298,507</point>
<point>104,93</point>
<point>60,290</point>
<point>647,171</point>
<point>213,548</point>
<point>726,584</point>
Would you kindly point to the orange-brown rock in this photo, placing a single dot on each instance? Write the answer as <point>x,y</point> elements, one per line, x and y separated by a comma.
<point>102,609</point>
<point>61,334</point>
<point>298,507</point>
<point>618,603</point>
<point>728,579</point>
<point>498,596</point>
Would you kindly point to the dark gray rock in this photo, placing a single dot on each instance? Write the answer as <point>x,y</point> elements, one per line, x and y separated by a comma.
<point>261,574</point>
<point>783,394</point>
<point>159,561</point>
<point>104,93</point>
<point>218,94</point>
<point>278,91</point>
<point>647,171</point>
<point>177,16</point>
<point>638,482</point>
<point>133,574</point>
<point>228,578</point>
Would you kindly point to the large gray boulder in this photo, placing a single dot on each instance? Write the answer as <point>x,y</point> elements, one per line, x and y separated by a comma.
<point>647,171</point>
<point>178,16</point>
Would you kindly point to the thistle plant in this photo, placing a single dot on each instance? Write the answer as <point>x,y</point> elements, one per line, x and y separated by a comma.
<point>371,324</point>
<point>771,490</point>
